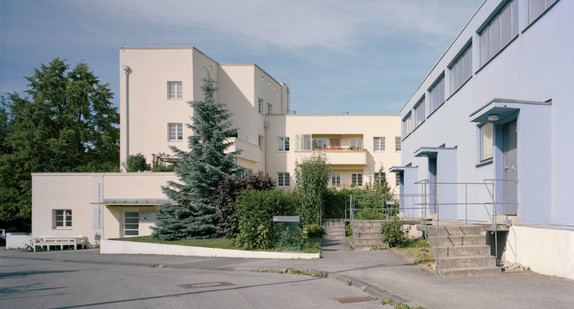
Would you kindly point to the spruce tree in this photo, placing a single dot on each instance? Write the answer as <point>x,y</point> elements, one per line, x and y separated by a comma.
<point>200,171</point>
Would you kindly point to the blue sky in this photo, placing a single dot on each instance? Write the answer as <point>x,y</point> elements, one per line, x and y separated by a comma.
<point>356,56</point>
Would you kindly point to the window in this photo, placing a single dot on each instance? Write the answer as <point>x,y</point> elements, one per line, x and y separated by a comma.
<point>260,106</point>
<point>357,179</point>
<point>536,7</point>
<point>283,144</point>
<point>437,94</point>
<point>379,144</point>
<point>335,179</point>
<point>175,132</point>
<point>378,176</point>
<point>321,143</point>
<point>269,109</point>
<point>260,142</point>
<point>283,179</point>
<point>357,143</point>
<point>461,70</point>
<point>420,112</point>
<point>398,143</point>
<point>499,31</point>
<point>397,179</point>
<point>62,218</point>
<point>174,90</point>
<point>305,142</point>
<point>486,141</point>
<point>407,125</point>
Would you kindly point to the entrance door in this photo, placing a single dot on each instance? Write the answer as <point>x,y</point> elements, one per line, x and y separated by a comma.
<point>433,187</point>
<point>131,223</point>
<point>510,149</point>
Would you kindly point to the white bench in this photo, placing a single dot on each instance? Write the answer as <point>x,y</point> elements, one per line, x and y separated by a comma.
<point>67,240</point>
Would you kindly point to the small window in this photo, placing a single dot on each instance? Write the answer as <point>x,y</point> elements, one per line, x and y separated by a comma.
<point>486,141</point>
<point>260,106</point>
<point>283,143</point>
<point>260,142</point>
<point>174,90</point>
<point>283,180</point>
<point>357,179</point>
<point>335,179</point>
<point>269,109</point>
<point>407,124</point>
<point>398,143</point>
<point>537,7</point>
<point>356,143</point>
<point>62,218</point>
<point>379,144</point>
<point>420,112</point>
<point>461,70</point>
<point>175,132</point>
<point>437,94</point>
<point>397,179</point>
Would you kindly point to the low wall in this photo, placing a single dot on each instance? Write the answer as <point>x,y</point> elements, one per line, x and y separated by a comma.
<point>126,247</point>
<point>17,240</point>
<point>547,251</point>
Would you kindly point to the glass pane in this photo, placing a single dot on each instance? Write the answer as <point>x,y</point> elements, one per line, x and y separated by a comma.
<point>505,26</point>
<point>495,36</point>
<point>535,8</point>
<point>131,233</point>
<point>484,46</point>
<point>132,214</point>
<point>486,143</point>
<point>132,220</point>
<point>514,17</point>
<point>132,226</point>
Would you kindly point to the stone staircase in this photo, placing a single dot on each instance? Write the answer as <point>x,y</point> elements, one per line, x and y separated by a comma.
<point>462,251</point>
<point>367,235</point>
<point>334,229</point>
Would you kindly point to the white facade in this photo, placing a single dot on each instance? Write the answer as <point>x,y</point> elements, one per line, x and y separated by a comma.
<point>494,137</point>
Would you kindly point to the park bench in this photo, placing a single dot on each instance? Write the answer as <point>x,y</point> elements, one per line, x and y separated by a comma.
<point>61,241</point>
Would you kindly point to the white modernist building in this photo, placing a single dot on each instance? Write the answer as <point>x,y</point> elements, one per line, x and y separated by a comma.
<point>156,86</point>
<point>487,135</point>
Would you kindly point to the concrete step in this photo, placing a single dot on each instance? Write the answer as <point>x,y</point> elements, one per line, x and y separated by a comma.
<point>368,234</point>
<point>463,251</point>
<point>368,247</point>
<point>461,230</point>
<point>470,272</point>
<point>460,262</point>
<point>334,237</point>
<point>446,241</point>
<point>368,241</point>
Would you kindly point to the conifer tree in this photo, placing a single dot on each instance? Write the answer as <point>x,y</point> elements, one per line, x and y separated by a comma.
<point>200,171</point>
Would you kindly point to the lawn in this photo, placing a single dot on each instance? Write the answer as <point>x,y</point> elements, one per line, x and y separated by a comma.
<point>419,250</point>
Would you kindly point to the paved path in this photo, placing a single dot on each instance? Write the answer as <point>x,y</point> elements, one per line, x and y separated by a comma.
<point>383,274</point>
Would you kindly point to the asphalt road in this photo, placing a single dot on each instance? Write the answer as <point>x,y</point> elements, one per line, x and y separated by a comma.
<point>55,284</point>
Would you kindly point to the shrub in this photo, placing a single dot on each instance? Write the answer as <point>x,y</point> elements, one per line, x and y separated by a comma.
<point>255,211</point>
<point>312,176</point>
<point>136,163</point>
<point>313,231</point>
<point>393,233</point>
<point>369,214</point>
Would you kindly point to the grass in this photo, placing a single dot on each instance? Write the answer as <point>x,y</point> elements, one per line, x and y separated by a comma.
<point>221,243</point>
<point>419,250</point>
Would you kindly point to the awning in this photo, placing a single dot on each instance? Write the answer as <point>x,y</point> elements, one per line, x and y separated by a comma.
<point>501,110</point>
<point>400,169</point>
<point>432,152</point>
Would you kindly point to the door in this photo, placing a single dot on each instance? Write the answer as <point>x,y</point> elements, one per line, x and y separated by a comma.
<point>510,149</point>
<point>433,187</point>
<point>131,223</point>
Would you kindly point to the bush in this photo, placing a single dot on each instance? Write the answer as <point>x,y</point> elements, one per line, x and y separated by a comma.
<point>348,230</point>
<point>136,163</point>
<point>393,233</point>
<point>255,211</point>
<point>369,214</point>
<point>313,231</point>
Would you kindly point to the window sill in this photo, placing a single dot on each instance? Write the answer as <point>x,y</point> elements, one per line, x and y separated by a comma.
<point>497,53</point>
<point>63,228</point>
<point>484,163</point>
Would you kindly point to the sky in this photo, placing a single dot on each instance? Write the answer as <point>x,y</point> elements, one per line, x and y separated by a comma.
<point>355,56</point>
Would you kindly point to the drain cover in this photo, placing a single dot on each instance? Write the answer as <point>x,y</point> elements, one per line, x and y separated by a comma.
<point>205,285</point>
<point>348,300</point>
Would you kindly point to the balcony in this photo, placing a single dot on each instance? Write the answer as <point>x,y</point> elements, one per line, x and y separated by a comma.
<point>249,151</point>
<point>344,156</point>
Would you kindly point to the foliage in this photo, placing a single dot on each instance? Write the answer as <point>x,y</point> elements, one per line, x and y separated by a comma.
<point>419,249</point>
<point>199,171</point>
<point>348,230</point>
<point>313,230</point>
<point>65,123</point>
<point>136,163</point>
<point>369,214</point>
<point>229,191</point>
<point>287,236</point>
<point>255,211</point>
<point>393,233</point>
<point>312,177</point>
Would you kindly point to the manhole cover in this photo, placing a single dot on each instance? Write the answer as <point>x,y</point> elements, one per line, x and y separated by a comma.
<point>205,285</point>
<point>348,300</point>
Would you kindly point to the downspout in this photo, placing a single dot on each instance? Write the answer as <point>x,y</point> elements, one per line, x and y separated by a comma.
<point>128,71</point>
<point>266,125</point>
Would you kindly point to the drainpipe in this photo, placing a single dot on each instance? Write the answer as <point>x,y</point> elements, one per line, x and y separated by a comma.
<point>128,71</point>
<point>266,125</point>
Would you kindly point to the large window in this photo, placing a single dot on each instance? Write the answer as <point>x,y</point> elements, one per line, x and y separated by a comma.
<point>174,90</point>
<point>62,218</point>
<point>356,143</point>
<point>437,93</point>
<point>461,70</point>
<point>499,31</point>
<point>283,144</point>
<point>397,143</point>
<point>536,7</point>
<point>283,179</point>
<point>335,179</point>
<point>379,144</point>
<point>175,132</point>
<point>486,132</point>
<point>357,179</point>
<point>407,124</point>
<point>420,112</point>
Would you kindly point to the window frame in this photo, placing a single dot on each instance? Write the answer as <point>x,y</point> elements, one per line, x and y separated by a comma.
<point>416,111</point>
<point>260,142</point>
<point>335,176</point>
<point>283,179</point>
<point>260,106</point>
<point>461,68</point>
<point>284,144</point>
<point>482,155</point>
<point>269,108</point>
<point>398,144</point>
<point>357,179</point>
<point>382,141</point>
<point>321,140</point>
<point>407,124</point>
<point>545,6</point>
<point>177,92</point>
<point>65,223</point>
<point>178,129</point>
<point>356,143</point>
<point>495,22</point>
<point>437,88</point>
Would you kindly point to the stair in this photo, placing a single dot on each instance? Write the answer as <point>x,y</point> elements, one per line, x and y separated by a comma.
<point>334,229</point>
<point>367,235</point>
<point>462,251</point>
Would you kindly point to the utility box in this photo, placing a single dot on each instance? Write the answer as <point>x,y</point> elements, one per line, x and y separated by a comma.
<point>287,233</point>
